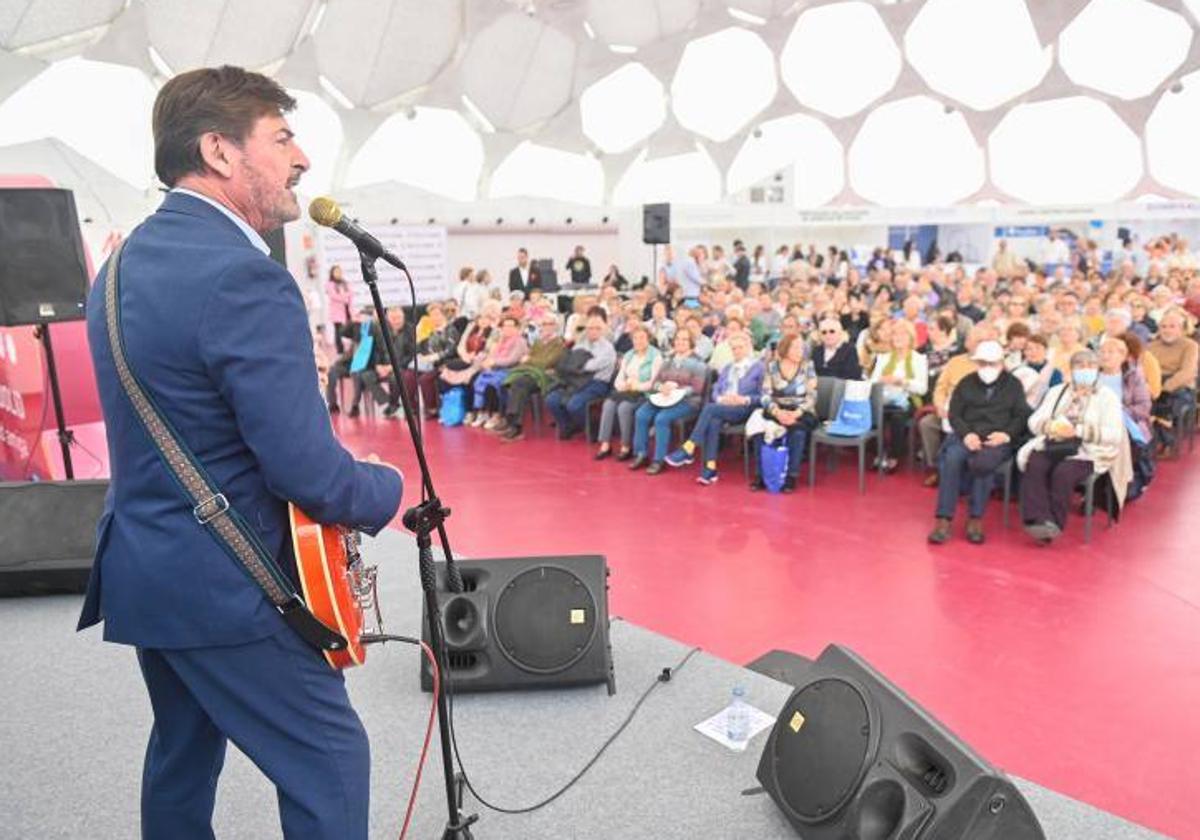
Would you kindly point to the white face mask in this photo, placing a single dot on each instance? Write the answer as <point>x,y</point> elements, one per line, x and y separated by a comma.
<point>989,374</point>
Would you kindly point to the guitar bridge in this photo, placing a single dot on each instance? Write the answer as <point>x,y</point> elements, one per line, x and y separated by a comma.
<point>363,584</point>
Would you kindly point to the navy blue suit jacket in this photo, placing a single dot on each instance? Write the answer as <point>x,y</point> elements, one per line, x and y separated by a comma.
<point>217,333</point>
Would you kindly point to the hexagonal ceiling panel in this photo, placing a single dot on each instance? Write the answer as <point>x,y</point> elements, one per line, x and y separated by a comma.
<point>87,94</point>
<point>1171,137</point>
<point>840,58</point>
<point>1124,47</point>
<point>398,45</point>
<point>25,22</point>
<point>541,172</point>
<point>623,108</point>
<point>249,33</point>
<point>638,23</point>
<point>980,52</point>
<point>692,178</point>
<point>1064,151</point>
<point>434,149</point>
<point>800,141</point>
<point>519,71</point>
<point>722,81</point>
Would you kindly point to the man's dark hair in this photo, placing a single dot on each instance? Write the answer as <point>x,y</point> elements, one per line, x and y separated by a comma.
<point>227,100</point>
<point>522,251</point>
<point>598,312</point>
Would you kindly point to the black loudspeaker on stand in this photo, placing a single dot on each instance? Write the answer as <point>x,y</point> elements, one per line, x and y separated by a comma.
<point>853,758</point>
<point>525,622</point>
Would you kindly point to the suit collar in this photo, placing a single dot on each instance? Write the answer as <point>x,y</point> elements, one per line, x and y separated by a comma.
<point>191,205</point>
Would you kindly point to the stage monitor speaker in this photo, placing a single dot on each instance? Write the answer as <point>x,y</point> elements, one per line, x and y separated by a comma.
<point>525,622</point>
<point>853,758</point>
<point>43,272</point>
<point>656,224</point>
<point>49,530</point>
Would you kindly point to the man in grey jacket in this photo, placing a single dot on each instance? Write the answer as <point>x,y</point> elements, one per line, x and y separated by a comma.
<point>569,404</point>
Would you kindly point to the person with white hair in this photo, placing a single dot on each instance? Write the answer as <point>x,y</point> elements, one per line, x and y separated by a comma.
<point>987,414</point>
<point>1079,430</point>
<point>834,355</point>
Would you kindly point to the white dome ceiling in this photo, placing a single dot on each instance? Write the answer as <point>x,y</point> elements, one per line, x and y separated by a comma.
<point>892,102</point>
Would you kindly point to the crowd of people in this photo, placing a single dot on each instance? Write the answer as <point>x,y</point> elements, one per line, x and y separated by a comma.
<point>1063,370</point>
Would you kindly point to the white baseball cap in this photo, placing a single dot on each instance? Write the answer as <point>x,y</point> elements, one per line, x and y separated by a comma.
<point>988,352</point>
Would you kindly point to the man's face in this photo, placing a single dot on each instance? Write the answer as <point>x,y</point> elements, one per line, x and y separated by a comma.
<point>1171,328</point>
<point>522,259</point>
<point>395,319</point>
<point>263,171</point>
<point>548,329</point>
<point>740,346</point>
<point>595,329</point>
<point>1035,353</point>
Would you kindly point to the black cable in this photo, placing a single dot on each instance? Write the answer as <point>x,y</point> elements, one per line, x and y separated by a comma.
<point>664,676</point>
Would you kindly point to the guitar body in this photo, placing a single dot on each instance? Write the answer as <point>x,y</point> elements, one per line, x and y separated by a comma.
<point>334,582</point>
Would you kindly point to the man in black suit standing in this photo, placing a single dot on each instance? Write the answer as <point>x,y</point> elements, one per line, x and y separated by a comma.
<point>524,276</point>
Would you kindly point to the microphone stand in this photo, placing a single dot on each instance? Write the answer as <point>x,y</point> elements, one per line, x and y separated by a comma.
<point>423,519</point>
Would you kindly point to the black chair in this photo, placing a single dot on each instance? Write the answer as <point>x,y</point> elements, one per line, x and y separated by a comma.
<point>821,437</point>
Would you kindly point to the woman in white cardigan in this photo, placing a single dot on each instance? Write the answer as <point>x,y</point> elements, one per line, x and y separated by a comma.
<point>1078,430</point>
<point>904,372</point>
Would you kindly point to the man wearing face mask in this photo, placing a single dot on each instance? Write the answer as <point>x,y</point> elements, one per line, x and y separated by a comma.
<point>987,413</point>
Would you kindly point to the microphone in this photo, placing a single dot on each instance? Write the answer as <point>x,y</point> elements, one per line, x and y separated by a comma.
<point>326,212</point>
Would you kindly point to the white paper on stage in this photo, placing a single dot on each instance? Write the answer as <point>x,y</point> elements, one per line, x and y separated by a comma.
<point>715,727</point>
<point>421,247</point>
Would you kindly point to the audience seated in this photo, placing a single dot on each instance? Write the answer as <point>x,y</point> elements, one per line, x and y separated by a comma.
<point>588,376</point>
<point>1176,355</point>
<point>487,395</point>
<point>905,378</point>
<point>676,395</point>
<point>635,378</point>
<point>1078,431</point>
<point>987,415</point>
<point>534,374</point>
<point>834,355</point>
<point>764,328</point>
<point>732,399</point>
<point>786,409</point>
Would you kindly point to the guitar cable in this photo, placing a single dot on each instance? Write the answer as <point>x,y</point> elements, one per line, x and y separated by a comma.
<point>437,687</point>
<point>663,676</point>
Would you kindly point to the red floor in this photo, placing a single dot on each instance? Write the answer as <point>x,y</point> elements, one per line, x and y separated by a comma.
<point>1075,666</point>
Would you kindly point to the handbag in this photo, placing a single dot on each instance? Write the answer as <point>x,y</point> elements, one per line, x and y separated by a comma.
<point>454,406</point>
<point>854,413</point>
<point>210,507</point>
<point>773,464</point>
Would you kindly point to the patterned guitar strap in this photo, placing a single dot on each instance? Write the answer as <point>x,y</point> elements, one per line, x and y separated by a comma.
<point>209,505</point>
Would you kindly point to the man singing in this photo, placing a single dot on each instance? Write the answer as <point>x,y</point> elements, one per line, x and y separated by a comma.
<point>216,332</point>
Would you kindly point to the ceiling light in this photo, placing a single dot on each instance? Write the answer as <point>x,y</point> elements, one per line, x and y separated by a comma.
<point>746,17</point>
<point>483,121</point>
<point>339,97</point>
<point>159,64</point>
<point>317,18</point>
<point>622,49</point>
<point>591,33</point>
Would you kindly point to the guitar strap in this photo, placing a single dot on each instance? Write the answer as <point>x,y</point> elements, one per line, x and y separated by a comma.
<point>210,507</point>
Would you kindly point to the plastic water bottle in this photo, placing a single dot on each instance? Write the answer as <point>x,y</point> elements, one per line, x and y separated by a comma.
<point>737,717</point>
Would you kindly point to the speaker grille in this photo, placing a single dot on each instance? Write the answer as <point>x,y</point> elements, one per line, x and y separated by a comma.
<point>545,620</point>
<point>820,753</point>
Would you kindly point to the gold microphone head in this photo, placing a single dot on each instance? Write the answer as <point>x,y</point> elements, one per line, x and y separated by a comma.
<point>325,211</point>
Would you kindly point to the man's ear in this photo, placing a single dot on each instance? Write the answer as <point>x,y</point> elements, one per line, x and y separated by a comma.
<point>217,151</point>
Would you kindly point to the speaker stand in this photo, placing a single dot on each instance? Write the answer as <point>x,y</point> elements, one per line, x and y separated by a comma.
<point>65,436</point>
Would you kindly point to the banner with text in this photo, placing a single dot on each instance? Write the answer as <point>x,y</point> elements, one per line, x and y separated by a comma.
<point>421,247</point>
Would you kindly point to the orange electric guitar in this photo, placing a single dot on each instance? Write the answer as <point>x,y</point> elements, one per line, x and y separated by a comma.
<point>338,588</point>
